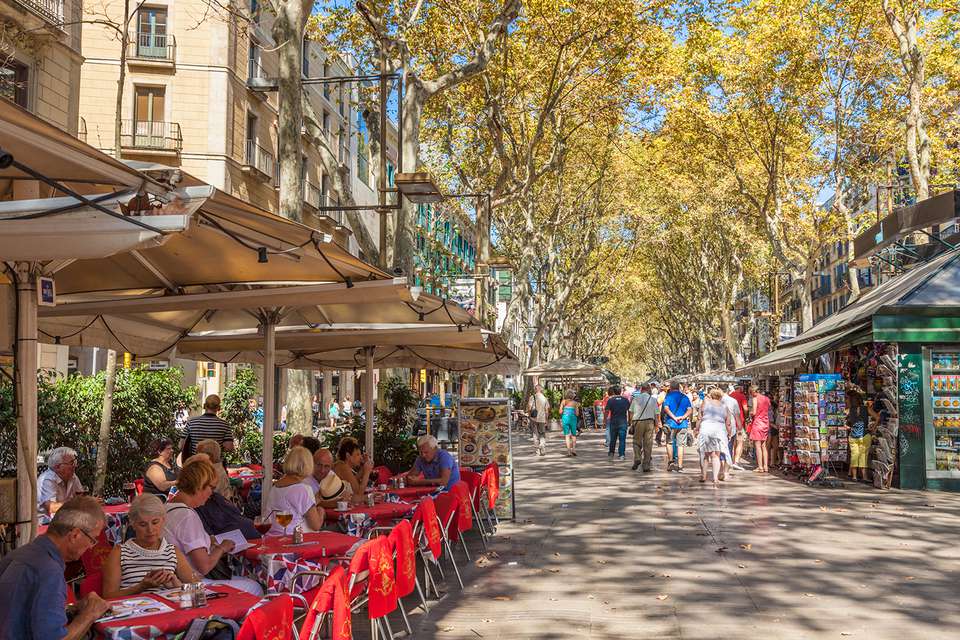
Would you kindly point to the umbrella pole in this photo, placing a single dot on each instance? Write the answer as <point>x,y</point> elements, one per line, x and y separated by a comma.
<point>27,399</point>
<point>368,392</point>
<point>269,411</point>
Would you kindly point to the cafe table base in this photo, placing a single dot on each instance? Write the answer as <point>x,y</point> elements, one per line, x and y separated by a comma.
<point>275,561</point>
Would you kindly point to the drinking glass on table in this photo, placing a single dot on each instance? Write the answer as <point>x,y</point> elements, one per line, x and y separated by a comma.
<point>130,489</point>
<point>284,518</point>
<point>262,525</point>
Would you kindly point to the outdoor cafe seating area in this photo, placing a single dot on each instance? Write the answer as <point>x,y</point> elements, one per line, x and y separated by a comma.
<point>371,565</point>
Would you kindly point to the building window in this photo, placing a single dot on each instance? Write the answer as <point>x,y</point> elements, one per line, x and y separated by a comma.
<point>305,58</point>
<point>342,101</point>
<point>255,11</point>
<point>326,74</point>
<point>251,150</point>
<point>326,125</point>
<point>14,78</point>
<point>152,32</point>
<point>363,151</point>
<point>255,70</point>
<point>390,174</point>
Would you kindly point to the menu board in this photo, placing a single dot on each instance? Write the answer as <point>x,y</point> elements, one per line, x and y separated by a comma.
<point>485,432</point>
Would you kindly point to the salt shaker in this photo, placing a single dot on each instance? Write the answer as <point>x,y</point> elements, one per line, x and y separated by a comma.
<point>298,535</point>
<point>369,499</point>
<point>402,482</point>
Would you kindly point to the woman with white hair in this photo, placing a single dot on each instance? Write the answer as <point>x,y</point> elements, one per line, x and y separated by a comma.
<point>290,495</point>
<point>146,562</point>
<point>712,434</point>
<point>434,466</point>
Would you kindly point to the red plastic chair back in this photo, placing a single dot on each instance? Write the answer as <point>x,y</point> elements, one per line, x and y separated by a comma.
<point>331,597</point>
<point>461,491</point>
<point>139,484</point>
<point>401,539</point>
<point>71,595</point>
<point>426,515</point>
<point>473,480</point>
<point>271,621</point>
<point>382,474</point>
<point>489,480</point>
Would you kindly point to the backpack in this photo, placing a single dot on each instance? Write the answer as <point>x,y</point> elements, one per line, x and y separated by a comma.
<point>212,628</point>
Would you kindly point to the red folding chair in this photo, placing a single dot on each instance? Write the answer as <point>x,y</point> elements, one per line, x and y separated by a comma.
<point>138,483</point>
<point>474,483</point>
<point>372,564</point>
<point>270,621</point>
<point>92,560</point>
<point>461,491</point>
<point>448,507</point>
<point>489,492</point>
<point>428,540</point>
<point>332,603</point>
<point>382,474</point>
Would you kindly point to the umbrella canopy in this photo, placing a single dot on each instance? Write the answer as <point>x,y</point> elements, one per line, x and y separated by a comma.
<point>565,368</point>
<point>442,347</point>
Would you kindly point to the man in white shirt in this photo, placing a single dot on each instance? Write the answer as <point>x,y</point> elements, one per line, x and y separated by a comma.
<point>540,413</point>
<point>645,419</point>
<point>734,425</point>
<point>59,482</point>
<point>325,484</point>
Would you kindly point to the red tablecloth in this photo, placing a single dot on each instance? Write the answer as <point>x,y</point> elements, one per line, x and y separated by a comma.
<point>382,512</point>
<point>334,543</point>
<point>234,606</point>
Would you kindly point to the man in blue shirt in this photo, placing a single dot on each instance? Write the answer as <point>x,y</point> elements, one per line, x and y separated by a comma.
<point>617,409</point>
<point>34,602</point>
<point>433,466</point>
<point>677,410</point>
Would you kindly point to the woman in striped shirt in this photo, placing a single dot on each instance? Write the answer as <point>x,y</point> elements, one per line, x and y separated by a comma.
<point>146,562</point>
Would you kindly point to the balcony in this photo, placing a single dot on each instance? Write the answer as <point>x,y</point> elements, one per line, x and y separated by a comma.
<point>82,130</point>
<point>152,50</point>
<point>257,79</point>
<point>312,196</point>
<point>51,11</point>
<point>159,138</point>
<point>259,161</point>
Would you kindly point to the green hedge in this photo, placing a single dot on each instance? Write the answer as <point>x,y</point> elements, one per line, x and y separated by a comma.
<point>145,405</point>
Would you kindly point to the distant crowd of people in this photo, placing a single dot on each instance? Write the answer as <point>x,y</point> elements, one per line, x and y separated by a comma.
<point>718,420</point>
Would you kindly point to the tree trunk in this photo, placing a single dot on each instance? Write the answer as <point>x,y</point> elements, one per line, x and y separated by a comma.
<point>300,401</point>
<point>288,32</point>
<point>806,296</point>
<point>103,446</point>
<point>121,81</point>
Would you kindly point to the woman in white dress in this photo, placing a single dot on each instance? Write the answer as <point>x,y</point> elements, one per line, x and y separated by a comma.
<point>290,495</point>
<point>712,440</point>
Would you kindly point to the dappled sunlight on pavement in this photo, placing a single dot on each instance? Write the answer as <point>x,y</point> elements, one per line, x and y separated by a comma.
<point>601,551</point>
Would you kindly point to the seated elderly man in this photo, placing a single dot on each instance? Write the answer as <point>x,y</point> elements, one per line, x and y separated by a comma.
<point>326,484</point>
<point>33,606</point>
<point>59,482</point>
<point>433,466</point>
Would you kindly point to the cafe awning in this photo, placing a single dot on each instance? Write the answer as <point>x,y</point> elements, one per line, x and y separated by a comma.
<point>564,368</point>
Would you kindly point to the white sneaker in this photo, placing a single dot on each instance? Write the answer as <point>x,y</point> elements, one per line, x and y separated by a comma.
<point>736,466</point>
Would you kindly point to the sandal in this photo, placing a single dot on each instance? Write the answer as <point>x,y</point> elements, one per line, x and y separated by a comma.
<point>703,480</point>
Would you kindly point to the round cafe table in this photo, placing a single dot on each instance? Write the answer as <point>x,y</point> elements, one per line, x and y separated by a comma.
<point>275,561</point>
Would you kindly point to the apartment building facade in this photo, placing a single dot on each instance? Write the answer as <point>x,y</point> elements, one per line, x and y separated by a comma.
<point>197,96</point>
<point>40,58</point>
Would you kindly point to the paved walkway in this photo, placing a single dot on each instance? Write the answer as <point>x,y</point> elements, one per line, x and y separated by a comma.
<point>599,551</point>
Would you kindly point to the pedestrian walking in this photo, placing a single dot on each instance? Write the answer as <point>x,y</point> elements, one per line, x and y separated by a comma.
<point>677,407</point>
<point>569,410</point>
<point>741,435</point>
<point>618,408</point>
<point>539,409</point>
<point>734,426</point>
<point>712,434</point>
<point>645,420</point>
<point>760,427</point>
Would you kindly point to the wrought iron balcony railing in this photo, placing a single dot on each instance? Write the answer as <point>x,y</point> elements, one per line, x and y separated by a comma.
<point>260,159</point>
<point>151,135</point>
<point>156,47</point>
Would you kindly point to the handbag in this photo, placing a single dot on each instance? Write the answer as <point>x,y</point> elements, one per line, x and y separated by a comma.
<point>533,413</point>
<point>212,628</point>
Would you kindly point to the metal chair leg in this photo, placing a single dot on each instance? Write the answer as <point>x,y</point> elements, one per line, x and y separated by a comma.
<point>423,598</point>
<point>453,561</point>
<point>406,621</point>
<point>386,622</point>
